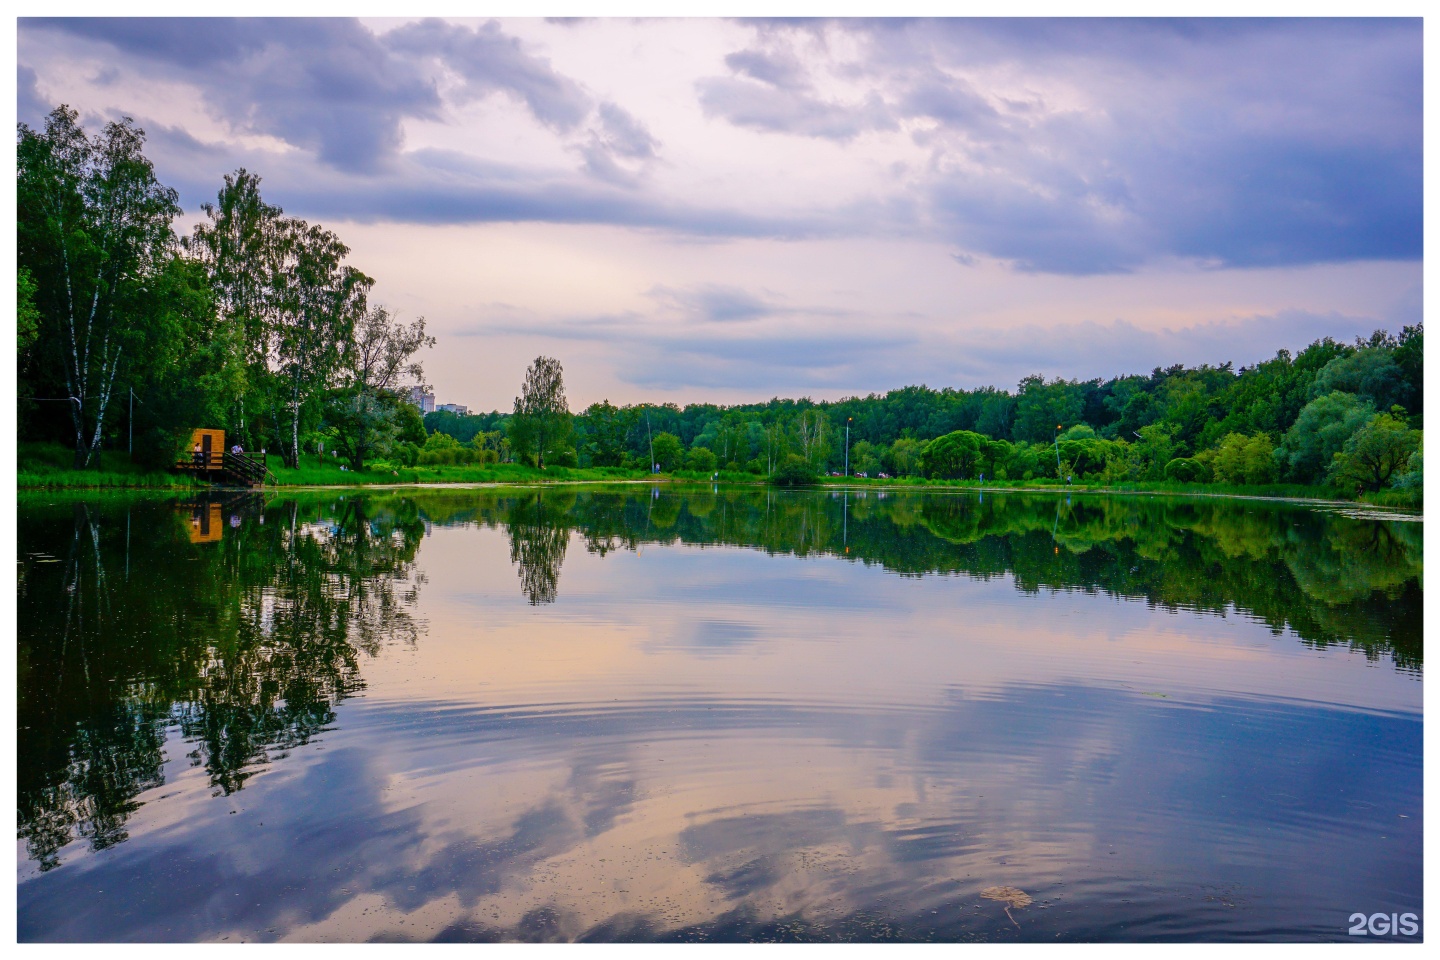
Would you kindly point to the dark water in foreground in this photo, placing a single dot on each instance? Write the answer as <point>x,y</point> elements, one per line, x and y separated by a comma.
<point>633,714</point>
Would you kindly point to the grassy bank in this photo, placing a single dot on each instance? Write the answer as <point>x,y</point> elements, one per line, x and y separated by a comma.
<point>1277,491</point>
<point>322,471</point>
<point>48,466</point>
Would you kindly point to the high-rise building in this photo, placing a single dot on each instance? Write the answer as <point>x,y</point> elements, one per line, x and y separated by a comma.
<point>425,401</point>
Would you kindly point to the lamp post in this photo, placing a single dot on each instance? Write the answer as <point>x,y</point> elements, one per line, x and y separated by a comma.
<point>652,441</point>
<point>847,445</point>
<point>1058,426</point>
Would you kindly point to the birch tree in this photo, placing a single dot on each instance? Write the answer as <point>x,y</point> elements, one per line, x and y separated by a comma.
<point>319,304</point>
<point>94,227</point>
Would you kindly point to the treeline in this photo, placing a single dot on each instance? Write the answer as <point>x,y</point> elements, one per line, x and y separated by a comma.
<point>254,323</point>
<point>1348,415</point>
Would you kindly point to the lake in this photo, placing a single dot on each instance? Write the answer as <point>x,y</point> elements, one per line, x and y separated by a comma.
<point>670,713</point>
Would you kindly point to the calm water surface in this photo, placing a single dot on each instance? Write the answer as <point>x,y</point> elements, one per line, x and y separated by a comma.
<point>630,713</point>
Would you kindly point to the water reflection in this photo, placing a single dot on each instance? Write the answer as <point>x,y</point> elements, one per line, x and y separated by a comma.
<point>246,642</point>
<point>663,737</point>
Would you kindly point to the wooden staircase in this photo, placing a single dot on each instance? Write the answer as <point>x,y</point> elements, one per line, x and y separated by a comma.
<point>243,470</point>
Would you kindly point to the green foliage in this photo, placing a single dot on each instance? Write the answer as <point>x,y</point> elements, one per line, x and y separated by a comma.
<point>700,459</point>
<point>955,455</point>
<point>1245,460</point>
<point>1372,373</point>
<point>794,471</point>
<point>93,231</point>
<point>541,425</point>
<point>1320,432</point>
<point>27,315</point>
<point>1042,406</point>
<point>669,451</point>
<point>1375,453</point>
<point>603,428</point>
<point>1186,470</point>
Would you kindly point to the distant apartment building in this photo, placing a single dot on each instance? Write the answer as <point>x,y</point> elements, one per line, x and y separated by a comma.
<point>425,401</point>
<point>456,408</point>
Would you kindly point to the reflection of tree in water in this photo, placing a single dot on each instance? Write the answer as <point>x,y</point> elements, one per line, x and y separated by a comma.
<point>248,646</point>
<point>538,538</point>
<point>1330,579</point>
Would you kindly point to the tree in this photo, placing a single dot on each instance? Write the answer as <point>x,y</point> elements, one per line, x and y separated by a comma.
<point>795,471</point>
<point>322,301</point>
<point>700,459</point>
<point>541,423</point>
<point>956,454</point>
<point>1186,470</point>
<point>240,246</point>
<point>365,411</point>
<point>1320,432</point>
<point>1244,460</point>
<point>669,451</point>
<point>993,453</point>
<point>905,456</point>
<point>863,458</point>
<point>1371,373</point>
<point>604,427</point>
<point>1374,453</point>
<point>94,227</point>
<point>1042,405</point>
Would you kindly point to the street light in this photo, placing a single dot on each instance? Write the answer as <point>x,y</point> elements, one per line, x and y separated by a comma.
<point>1058,428</point>
<point>847,445</point>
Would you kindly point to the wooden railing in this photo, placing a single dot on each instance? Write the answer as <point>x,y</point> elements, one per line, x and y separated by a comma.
<point>215,460</point>
<point>245,468</point>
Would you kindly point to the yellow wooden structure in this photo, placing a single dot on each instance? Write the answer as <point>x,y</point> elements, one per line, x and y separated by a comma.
<point>206,522</point>
<point>205,452</point>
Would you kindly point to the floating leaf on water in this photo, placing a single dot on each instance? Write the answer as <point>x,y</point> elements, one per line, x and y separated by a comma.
<point>1009,895</point>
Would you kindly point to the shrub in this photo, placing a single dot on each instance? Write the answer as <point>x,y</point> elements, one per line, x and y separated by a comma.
<point>1186,470</point>
<point>700,460</point>
<point>795,471</point>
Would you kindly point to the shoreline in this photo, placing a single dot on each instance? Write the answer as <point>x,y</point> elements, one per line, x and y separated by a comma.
<point>1399,512</point>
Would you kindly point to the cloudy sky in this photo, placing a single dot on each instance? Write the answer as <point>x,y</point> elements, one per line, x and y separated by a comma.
<point>731,210</point>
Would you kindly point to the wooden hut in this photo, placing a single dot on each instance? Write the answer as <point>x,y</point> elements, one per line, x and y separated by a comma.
<point>206,451</point>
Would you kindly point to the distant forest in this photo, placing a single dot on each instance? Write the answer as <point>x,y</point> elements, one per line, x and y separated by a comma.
<point>1346,414</point>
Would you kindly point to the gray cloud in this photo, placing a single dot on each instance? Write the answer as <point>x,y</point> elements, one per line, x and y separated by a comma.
<point>490,61</point>
<point>1246,143</point>
<point>620,151</point>
<point>715,303</point>
<point>1114,143</point>
<point>324,85</point>
<point>795,111</point>
<point>30,107</point>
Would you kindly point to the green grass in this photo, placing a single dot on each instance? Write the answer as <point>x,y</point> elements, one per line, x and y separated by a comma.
<point>49,466</point>
<point>323,471</point>
<point>1407,499</point>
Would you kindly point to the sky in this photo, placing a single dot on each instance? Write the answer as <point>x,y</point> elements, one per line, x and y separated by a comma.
<point>712,210</point>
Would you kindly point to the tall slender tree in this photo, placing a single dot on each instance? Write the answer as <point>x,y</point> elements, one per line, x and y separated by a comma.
<point>320,303</point>
<point>239,243</point>
<point>94,228</point>
<point>541,422</point>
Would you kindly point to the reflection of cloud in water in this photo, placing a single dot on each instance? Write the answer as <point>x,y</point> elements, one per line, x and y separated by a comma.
<point>704,637</point>
<point>703,817</point>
